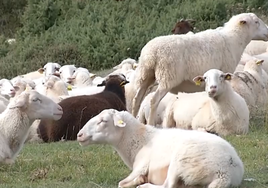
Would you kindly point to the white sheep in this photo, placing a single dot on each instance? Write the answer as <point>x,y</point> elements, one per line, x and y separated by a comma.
<point>172,157</point>
<point>7,89</point>
<point>21,84</point>
<point>256,47</point>
<point>144,110</point>
<point>66,71</point>
<point>125,65</point>
<point>15,121</point>
<point>174,60</point>
<point>53,87</point>
<point>81,78</point>
<point>219,109</point>
<point>251,84</point>
<point>50,68</point>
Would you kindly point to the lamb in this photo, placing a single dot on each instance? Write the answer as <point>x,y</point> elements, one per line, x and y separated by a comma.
<point>17,118</point>
<point>78,110</point>
<point>183,26</point>
<point>219,109</point>
<point>171,60</point>
<point>167,157</point>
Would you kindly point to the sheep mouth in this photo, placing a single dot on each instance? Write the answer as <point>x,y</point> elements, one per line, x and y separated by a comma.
<point>12,94</point>
<point>83,142</point>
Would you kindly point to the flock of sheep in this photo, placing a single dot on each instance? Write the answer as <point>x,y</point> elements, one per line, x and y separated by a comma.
<point>164,114</point>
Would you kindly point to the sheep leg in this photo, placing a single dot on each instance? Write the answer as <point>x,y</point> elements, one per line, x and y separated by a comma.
<point>140,95</point>
<point>157,97</point>
<point>135,178</point>
<point>220,182</point>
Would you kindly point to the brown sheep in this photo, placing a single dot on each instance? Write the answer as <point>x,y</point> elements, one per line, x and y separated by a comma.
<point>79,109</point>
<point>183,26</point>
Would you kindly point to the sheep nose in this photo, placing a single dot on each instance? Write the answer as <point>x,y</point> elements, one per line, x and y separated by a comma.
<point>59,108</point>
<point>213,87</point>
<point>79,134</point>
<point>12,90</point>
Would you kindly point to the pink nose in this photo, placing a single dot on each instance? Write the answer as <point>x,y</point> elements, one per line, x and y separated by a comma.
<point>80,135</point>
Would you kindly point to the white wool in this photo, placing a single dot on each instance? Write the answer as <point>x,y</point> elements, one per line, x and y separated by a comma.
<point>174,60</point>
<point>152,154</point>
<point>15,121</point>
<point>219,109</point>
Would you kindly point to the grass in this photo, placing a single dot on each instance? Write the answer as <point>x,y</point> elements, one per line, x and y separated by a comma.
<point>66,164</point>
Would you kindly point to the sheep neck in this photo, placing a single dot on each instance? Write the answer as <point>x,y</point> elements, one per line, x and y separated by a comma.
<point>135,136</point>
<point>118,90</point>
<point>14,125</point>
<point>223,104</point>
<point>235,42</point>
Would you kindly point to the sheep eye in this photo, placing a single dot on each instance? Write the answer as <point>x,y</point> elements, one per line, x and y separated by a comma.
<point>205,78</point>
<point>74,71</point>
<point>60,72</point>
<point>36,99</point>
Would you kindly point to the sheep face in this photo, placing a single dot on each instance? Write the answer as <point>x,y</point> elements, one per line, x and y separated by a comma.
<point>7,89</point>
<point>66,72</point>
<point>215,81</point>
<point>104,128</point>
<point>252,23</point>
<point>36,105</point>
<point>51,68</point>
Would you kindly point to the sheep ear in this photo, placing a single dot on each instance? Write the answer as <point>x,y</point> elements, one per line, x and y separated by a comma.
<point>228,76</point>
<point>135,65</point>
<point>91,75</point>
<point>259,62</point>
<point>41,70</point>
<point>118,120</point>
<point>102,84</point>
<point>242,22</point>
<point>19,103</point>
<point>198,80</point>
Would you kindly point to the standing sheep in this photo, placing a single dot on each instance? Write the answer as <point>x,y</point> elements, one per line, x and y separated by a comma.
<point>174,60</point>
<point>15,121</point>
<point>168,157</point>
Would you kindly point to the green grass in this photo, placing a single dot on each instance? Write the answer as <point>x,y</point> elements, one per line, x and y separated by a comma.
<point>66,164</point>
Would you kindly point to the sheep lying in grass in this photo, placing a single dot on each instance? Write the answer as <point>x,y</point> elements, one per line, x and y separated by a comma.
<point>15,121</point>
<point>219,109</point>
<point>53,87</point>
<point>174,60</point>
<point>167,157</point>
<point>252,86</point>
<point>78,110</point>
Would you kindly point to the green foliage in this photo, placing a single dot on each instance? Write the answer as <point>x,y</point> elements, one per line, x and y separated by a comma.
<point>99,34</point>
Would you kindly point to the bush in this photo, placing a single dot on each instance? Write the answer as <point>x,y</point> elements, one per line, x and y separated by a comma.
<point>99,34</point>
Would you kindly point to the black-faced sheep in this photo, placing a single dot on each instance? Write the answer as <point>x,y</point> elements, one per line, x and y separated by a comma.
<point>79,109</point>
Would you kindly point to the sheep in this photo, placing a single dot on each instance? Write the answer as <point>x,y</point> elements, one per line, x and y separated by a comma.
<point>143,114</point>
<point>183,26</point>
<point>21,84</point>
<point>78,110</point>
<point>33,75</point>
<point>256,47</point>
<point>7,89</point>
<point>66,72</point>
<point>219,109</point>
<point>252,86</point>
<point>53,87</point>
<point>3,103</point>
<point>17,118</point>
<point>167,157</point>
<point>174,60</point>
<point>81,78</point>
<point>125,65</point>
<point>50,68</point>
